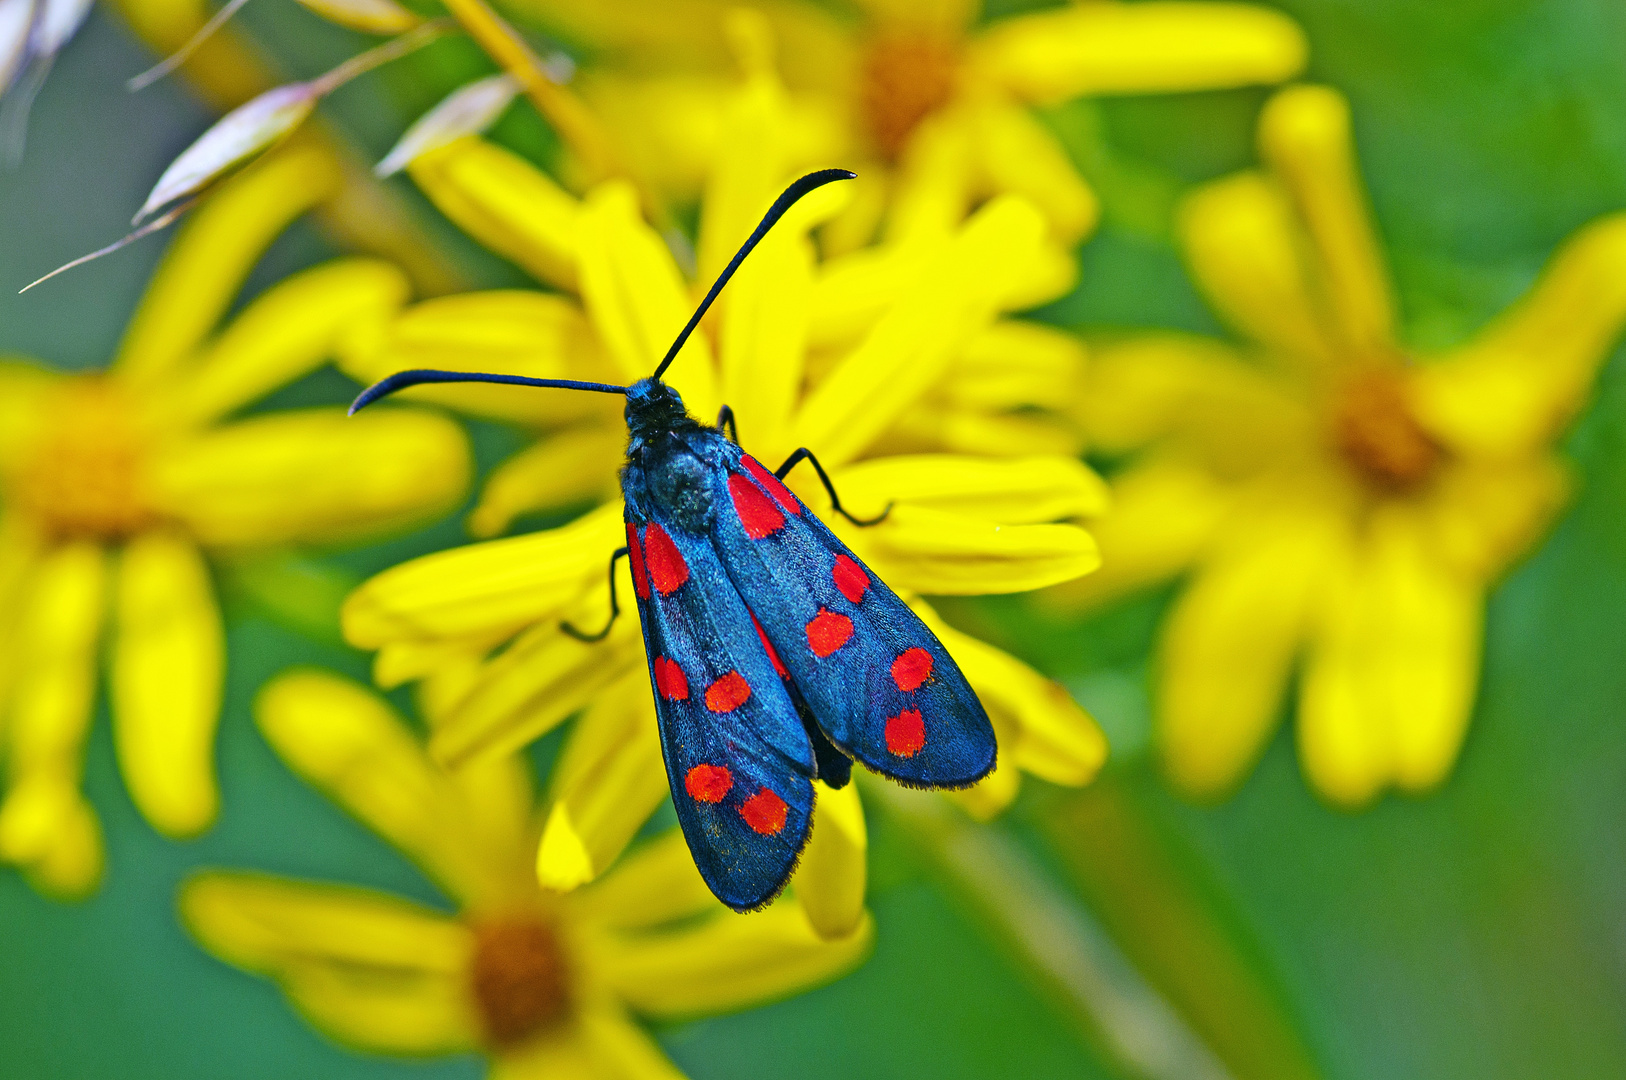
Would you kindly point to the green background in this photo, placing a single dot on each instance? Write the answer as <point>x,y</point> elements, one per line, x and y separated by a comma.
<point>1479,933</point>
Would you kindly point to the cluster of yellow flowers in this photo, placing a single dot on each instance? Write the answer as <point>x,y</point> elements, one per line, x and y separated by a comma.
<point>1334,504</point>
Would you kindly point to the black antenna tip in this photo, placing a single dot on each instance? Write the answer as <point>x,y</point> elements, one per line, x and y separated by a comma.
<point>419,376</point>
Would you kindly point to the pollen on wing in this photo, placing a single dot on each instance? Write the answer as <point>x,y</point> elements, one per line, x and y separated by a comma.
<point>911,668</point>
<point>728,693</point>
<point>828,631</point>
<point>670,681</point>
<point>781,494</point>
<point>850,577</point>
<point>764,812</point>
<point>758,514</point>
<point>635,552</point>
<point>708,783</point>
<point>773,654</point>
<point>667,570</point>
<point>906,733</point>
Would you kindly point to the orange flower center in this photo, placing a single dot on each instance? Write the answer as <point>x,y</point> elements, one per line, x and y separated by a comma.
<point>519,979</point>
<point>81,477</point>
<point>906,76</point>
<point>1377,433</point>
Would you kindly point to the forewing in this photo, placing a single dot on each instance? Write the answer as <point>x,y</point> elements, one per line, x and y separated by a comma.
<point>877,681</point>
<point>738,759</point>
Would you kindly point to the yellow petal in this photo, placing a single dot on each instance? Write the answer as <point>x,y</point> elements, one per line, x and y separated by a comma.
<point>621,1050</point>
<point>1015,153</point>
<point>48,828</point>
<point>21,545</point>
<point>1390,680</point>
<point>495,587</point>
<point>538,681</point>
<point>1013,491</point>
<point>506,203</point>
<point>313,476</point>
<point>655,883</point>
<point>1304,135</point>
<point>953,298</point>
<point>937,426</point>
<point>1228,646</point>
<point>853,291</point>
<point>608,780</point>
<point>403,661</point>
<point>933,187</point>
<point>829,882</point>
<point>213,253</point>
<point>24,387</point>
<point>637,298</point>
<point>764,337</point>
<point>1241,240</point>
<point>371,970</point>
<point>568,468</point>
<point>1483,516</point>
<point>1014,363</point>
<point>57,633</point>
<point>1232,413</point>
<point>751,162</point>
<point>1106,48</point>
<point>1043,731</point>
<point>286,332</point>
<point>934,552</point>
<point>345,741</point>
<point>557,1054</point>
<point>1520,381</point>
<point>506,330</point>
<point>168,671</point>
<point>1164,512</point>
<point>729,962</point>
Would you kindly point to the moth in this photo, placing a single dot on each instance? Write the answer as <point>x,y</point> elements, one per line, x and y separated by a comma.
<point>776,656</point>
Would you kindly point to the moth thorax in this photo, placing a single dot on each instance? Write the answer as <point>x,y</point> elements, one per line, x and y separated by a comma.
<point>518,979</point>
<point>654,408</point>
<point>679,485</point>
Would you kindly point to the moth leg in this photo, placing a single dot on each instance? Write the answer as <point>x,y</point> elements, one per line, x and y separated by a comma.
<point>804,454</point>
<point>615,607</point>
<point>725,422</point>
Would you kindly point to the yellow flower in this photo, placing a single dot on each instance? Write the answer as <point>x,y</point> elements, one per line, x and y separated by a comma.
<point>1336,505</point>
<point>833,358</point>
<point>540,984</point>
<point>929,106</point>
<point>114,485</point>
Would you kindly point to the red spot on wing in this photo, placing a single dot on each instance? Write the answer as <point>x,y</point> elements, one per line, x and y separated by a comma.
<point>635,550</point>
<point>757,512</point>
<point>670,681</point>
<point>708,783</point>
<point>773,654</point>
<point>850,577</point>
<point>728,693</point>
<point>828,631</point>
<point>667,570</point>
<point>764,812</point>
<point>781,494</point>
<point>906,733</point>
<point>911,668</point>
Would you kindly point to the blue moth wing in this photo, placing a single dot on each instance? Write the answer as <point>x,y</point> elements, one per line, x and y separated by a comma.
<point>737,756</point>
<point>878,682</point>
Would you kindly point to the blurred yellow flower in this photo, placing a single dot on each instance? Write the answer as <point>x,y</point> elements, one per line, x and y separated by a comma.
<point>115,484</point>
<point>542,985</point>
<point>807,355</point>
<point>1336,505</point>
<point>928,104</point>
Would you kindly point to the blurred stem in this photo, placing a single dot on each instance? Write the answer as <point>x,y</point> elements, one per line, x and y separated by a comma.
<point>1056,940</point>
<point>363,214</point>
<point>1174,924</point>
<point>562,109</point>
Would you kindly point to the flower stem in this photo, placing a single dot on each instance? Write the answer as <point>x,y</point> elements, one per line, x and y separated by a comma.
<point>1055,938</point>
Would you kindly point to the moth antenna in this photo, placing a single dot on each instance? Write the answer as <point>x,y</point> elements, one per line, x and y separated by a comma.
<point>419,376</point>
<point>786,200</point>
